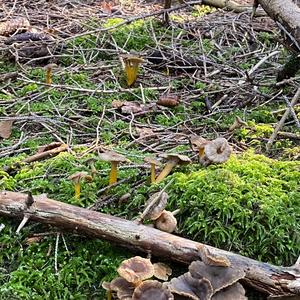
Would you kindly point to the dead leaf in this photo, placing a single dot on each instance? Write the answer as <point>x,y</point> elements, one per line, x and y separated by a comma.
<point>6,128</point>
<point>168,100</point>
<point>144,131</point>
<point>32,240</point>
<point>106,7</point>
<point>117,104</point>
<point>132,107</point>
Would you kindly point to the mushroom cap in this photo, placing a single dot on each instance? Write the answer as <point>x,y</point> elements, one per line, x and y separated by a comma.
<point>136,269</point>
<point>219,277</point>
<point>191,288</point>
<point>155,205</point>
<point>50,66</point>
<point>123,288</point>
<point>162,271</point>
<point>132,59</point>
<point>235,291</point>
<point>182,159</point>
<point>152,290</point>
<point>198,142</point>
<point>152,160</point>
<point>112,156</point>
<point>210,258</point>
<point>79,175</point>
<point>218,150</point>
<point>166,222</point>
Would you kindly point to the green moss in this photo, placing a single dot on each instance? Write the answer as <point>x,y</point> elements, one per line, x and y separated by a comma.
<point>249,205</point>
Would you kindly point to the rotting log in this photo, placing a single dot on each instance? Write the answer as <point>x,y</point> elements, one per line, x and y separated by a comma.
<point>270,279</point>
<point>287,15</point>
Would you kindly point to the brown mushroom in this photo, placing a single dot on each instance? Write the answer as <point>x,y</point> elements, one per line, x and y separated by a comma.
<point>210,258</point>
<point>76,178</point>
<point>217,151</point>
<point>121,286</point>
<point>172,160</point>
<point>219,277</point>
<point>191,288</point>
<point>152,290</point>
<point>166,222</point>
<point>91,162</point>
<point>233,292</point>
<point>162,271</point>
<point>136,269</point>
<point>198,143</point>
<point>131,66</point>
<point>155,206</point>
<point>114,158</point>
<point>153,162</point>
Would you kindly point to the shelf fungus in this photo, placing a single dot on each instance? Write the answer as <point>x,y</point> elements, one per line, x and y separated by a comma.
<point>152,290</point>
<point>114,158</point>
<point>233,292</point>
<point>173,160</point>
<point>153,163</point>
<point>136,269</point>
<point>76,178</point>
<point>131,67</point>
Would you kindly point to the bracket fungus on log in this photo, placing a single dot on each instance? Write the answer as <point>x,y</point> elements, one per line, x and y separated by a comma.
<point>121,286</point>
<point>233,292</point>
<point>162,271</point>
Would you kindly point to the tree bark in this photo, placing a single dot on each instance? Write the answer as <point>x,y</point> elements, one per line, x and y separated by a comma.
<point>270,279</point>
<point>287,14</point>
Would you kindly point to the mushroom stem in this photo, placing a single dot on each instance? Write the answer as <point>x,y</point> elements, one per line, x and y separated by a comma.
<point>201,152</point>
<point>166,170</point>
<point>152,173</point>
<point>77,190</point>
<point>49,75</point>
<point>109,295</point>
<point>131,72</point>
<point>113,173</point>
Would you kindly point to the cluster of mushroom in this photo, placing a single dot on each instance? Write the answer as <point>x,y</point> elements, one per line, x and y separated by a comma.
<point>215,151</point>
<point>134,283</point>
<point>155,211</point>
<point>212,278</point>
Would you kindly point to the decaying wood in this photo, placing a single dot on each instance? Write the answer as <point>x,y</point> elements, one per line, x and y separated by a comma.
<point>287,15</point>
<point>265,277</point>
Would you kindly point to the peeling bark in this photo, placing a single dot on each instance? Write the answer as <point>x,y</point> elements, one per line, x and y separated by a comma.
<point>270,279</point>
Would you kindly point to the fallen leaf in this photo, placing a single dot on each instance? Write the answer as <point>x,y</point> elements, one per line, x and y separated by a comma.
<point>6,128</point>
<point>106,7</point>
<point>32,240</point>
<point>132,107</point>
<point>168,100</point>
<point>144,131</point>
<point>117,104</point>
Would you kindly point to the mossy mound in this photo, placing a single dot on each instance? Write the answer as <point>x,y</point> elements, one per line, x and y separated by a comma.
<point>250,205</point>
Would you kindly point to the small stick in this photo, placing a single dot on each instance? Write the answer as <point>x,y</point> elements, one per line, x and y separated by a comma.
<point>281,122</point>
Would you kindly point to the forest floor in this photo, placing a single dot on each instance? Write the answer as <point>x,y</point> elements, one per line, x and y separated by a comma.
<point>218,65</point>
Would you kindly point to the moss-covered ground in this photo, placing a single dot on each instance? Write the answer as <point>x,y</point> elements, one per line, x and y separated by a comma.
<point>249,205</point>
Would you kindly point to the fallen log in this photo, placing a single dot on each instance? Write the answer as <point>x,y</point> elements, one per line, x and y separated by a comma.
<point>267,278</point>
<point>287,15</point>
